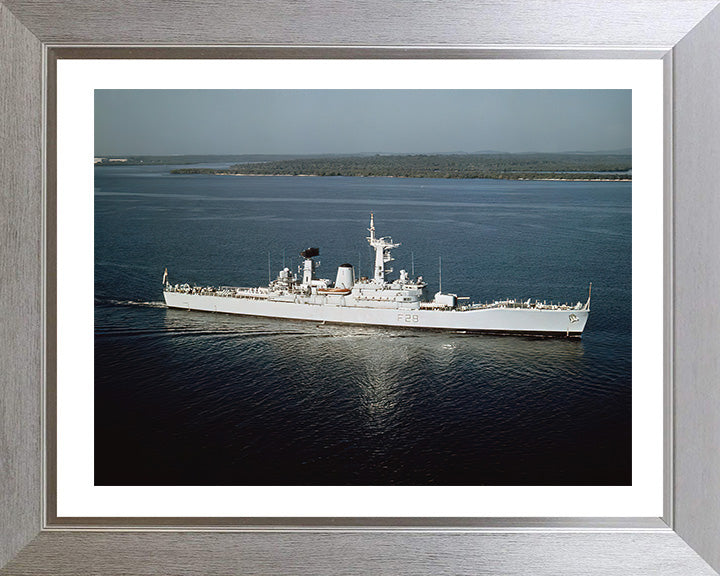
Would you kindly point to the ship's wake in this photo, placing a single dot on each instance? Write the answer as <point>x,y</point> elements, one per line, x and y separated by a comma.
<point>112,302</point>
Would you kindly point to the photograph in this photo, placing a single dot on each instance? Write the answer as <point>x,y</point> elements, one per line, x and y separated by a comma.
<point>363,287</point>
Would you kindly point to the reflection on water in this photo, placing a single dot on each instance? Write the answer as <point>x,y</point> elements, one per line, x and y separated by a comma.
<point>356,395</point>
<point>378,354</point>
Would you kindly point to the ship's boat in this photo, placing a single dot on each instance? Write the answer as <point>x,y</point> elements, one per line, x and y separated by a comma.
<point>378,301</point>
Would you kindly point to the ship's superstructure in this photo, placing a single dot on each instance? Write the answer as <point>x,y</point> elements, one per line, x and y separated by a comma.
<point>377,301</point>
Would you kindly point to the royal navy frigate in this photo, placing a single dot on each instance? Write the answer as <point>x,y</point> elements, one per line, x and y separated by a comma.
<point>378,301</point>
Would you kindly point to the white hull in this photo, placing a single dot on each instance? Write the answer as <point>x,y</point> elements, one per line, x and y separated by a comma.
<point>530,321</point>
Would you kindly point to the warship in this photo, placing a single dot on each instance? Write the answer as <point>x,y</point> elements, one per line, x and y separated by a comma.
<point>379,301</point>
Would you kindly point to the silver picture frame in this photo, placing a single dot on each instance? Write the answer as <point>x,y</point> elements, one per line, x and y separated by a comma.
<point>685,34</point>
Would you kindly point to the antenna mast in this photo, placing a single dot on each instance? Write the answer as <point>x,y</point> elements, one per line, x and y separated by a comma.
<point>382,248</point>
<point>587,304</point>
<point>440,271</point>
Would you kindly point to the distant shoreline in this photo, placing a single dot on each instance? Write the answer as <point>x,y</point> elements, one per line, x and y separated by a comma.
<point>592,167</point>
<point>500,166</point>
<point>190,171</point>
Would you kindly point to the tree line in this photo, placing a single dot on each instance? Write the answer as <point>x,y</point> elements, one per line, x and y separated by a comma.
<point>496,166</point>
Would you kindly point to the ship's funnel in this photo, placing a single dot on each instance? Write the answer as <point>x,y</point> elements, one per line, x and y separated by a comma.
<point>310,252</point>
<point>345,276</point>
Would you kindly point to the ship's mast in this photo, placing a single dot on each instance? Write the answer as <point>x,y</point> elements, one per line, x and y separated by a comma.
<point>440,272</point>
<point>382,251</point>
<point>587,304</point>
<point>309,265</point>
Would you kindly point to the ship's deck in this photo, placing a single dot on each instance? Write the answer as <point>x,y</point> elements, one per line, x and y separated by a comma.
<point>265,294</point>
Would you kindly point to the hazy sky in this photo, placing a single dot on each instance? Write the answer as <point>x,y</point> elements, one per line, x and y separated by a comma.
<point>359,121</point>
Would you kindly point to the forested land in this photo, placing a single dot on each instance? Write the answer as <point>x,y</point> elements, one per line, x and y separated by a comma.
<point>496,166</point>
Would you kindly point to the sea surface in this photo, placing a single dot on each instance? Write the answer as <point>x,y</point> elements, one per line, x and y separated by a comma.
<point>192,398</point>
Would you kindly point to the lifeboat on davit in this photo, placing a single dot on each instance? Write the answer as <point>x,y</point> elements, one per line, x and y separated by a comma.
<point>336,291</point>
<point>344,281</point>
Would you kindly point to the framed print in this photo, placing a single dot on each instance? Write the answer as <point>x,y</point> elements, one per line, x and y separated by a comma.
<point>384,448</point>
<point>48,56</point>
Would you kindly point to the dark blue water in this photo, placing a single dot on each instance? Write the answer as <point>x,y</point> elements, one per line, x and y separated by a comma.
<point>189,398</point>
